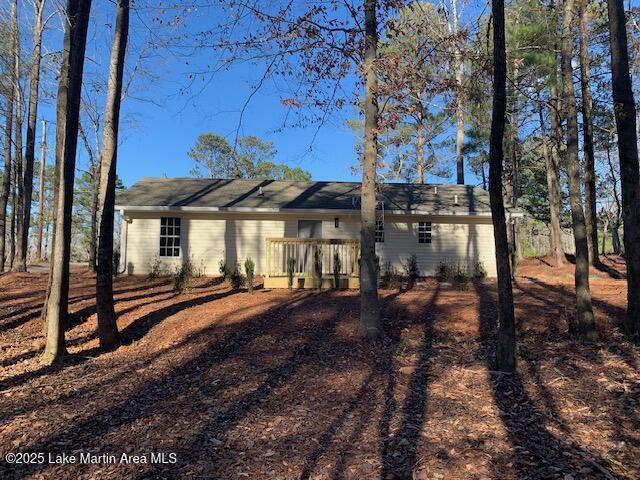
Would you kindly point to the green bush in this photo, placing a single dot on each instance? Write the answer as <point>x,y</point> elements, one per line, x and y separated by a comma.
<point>390,277</point>
<point>200,270</point>
<point>411,269</point>
<point>479,270</point>
<point>248,270</point>
<point>235,278</point>
<point>183,276</point>
<point>291,267</point>
<point>454,273</point>
<point>155,268</point>
<point>461,279</point>
<point>337,268</point>
<point>223,269</point>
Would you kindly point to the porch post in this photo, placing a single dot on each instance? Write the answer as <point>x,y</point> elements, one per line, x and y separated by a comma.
<point>268,269</point>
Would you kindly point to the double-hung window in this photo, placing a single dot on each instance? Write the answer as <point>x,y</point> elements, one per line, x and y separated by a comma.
<point>170,237</point>
<point>379,231</point>
<point>424,232</point>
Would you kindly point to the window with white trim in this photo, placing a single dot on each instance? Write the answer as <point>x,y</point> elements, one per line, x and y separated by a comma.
<point>169,236</point>
<point>424,232</point>
<point>379,231</point>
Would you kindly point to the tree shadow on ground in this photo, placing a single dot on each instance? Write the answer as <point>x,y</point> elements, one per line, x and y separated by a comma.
<point>399,451</point>
<point>536,453</point>
<point>612,311</point>
<point>26,313</point>
<point>105,381</point>
<point>553,321</point>
<point>78,318</point>
<point>186,379</point>
<point>310,344</point>
<point>141,326</point>
<point>601,267</point>
<point>133,332</point>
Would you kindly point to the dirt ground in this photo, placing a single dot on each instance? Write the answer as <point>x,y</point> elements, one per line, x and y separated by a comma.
<point>276,384</point>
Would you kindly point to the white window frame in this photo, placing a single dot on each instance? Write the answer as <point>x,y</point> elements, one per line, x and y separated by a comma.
<point>379,233</point>
<point>425,232</point>
<point>169,242</point>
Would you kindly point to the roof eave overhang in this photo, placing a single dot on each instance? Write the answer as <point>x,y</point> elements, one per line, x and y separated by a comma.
<point>323,211</point>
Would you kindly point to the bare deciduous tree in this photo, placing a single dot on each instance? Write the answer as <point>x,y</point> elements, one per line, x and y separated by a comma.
<point>505,352</point>
<point>553,186</point>
<point>370,324</point>
<point>32,117</point>
<point>8,143</point>
<point>18,207</point>
<point>107,326</point>
<point>458,66</point>
<point>43,164</point>
<point>625,113</point>
<point>584,324</point>
<point>591,212</point>
<point>67,114</point>
<point>94,173</point>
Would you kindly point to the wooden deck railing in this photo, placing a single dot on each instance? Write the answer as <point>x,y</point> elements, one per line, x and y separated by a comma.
<point>304,250</point>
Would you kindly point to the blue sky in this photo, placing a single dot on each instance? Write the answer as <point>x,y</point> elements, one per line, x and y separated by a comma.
<point>159,143</point>
<point>161,122</point>
<point>164,130</point>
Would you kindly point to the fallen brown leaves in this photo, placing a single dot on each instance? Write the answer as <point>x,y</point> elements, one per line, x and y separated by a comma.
<point>276,384</point>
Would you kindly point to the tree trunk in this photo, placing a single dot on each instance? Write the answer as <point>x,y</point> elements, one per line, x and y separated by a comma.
<point>506,345</point>
<point>514,223</point>
<point>19,258</point>
<point>6,181</point>
<point>508,193</point>
<point>604,235</point>
<point>616,245</point>
<point>591,212</point>
<point>52,239</point>
<point>93,242</point>
<point>43,163</point>
<point>625,112</point>
<point>67,113</point>
<point>513,179</point>
<point>420,149</point>
<point>370,324</point>
<point>8,166</point>
<point>94,172</point>
<point>555,197</point>
<point>18,254</point>
<point>615,221</point>
<point>12,226</point>
<point>585,323</point>
<point>553,186</point>
<point>32,118</point>
<point>107,325</point>
<point>459,98</point>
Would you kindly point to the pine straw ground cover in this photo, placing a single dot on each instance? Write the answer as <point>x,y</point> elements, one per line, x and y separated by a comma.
<point>275,384</point>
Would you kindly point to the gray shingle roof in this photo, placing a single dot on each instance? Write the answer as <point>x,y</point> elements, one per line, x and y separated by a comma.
<point>221,194</point>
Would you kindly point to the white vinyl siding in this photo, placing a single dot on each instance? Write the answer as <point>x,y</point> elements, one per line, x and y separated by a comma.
<point>208,238</point>
<point>450,242</point>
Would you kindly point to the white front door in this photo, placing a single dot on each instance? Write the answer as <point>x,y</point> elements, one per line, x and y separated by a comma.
<point>308,229</point>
